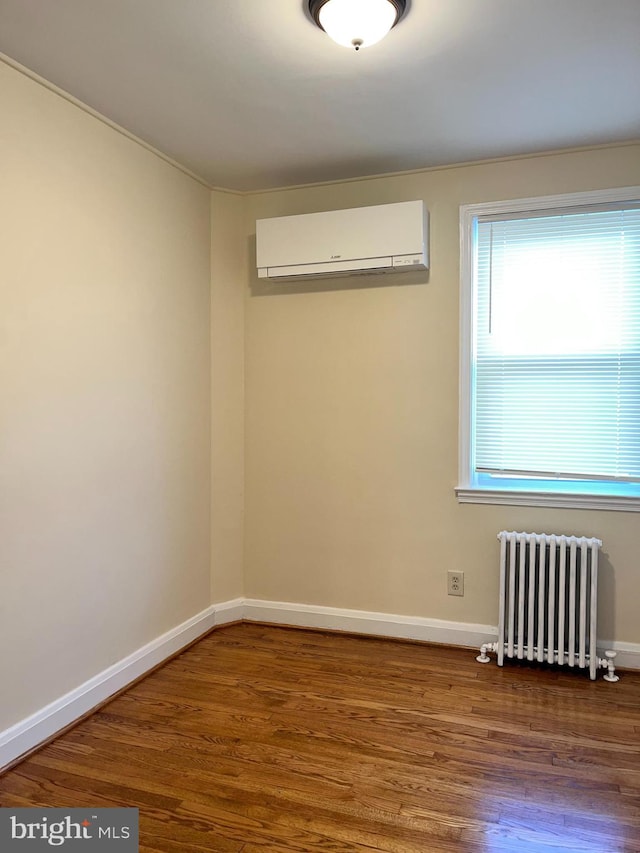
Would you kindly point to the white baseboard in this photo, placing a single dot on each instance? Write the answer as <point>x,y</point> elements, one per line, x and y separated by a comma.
<point>364,622</point>
<point>229,611</point>
<point>398,627</point>
<point>47,722</point>
<point>627,654</point>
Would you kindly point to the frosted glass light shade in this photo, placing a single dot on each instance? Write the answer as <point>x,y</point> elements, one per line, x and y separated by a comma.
<point>358,23</point>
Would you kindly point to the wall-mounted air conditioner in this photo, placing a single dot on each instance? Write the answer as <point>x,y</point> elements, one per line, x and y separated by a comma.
<point>358,241</point>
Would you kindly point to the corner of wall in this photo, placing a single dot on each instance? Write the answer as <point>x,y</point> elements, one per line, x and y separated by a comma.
<point>228,282</point>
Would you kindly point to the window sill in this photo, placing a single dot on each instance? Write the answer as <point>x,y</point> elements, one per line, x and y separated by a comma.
<point>505,497</point>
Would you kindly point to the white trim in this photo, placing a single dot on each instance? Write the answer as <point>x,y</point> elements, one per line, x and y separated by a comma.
<point>47,84</point>
<point>363,622</point>
<point>229,611</point>
<point>464,164</point>
<point>461,164</point>
<point>467,313</point>
<point>468,495</point>
<point>465,491</point>
<point>395,626</point>
<point>544,202</point>
<point>45,723</point>
<point>627,654</point>
<point>49,721</point>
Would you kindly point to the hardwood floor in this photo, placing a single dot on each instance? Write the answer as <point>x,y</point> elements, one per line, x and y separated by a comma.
<point>261,739</point>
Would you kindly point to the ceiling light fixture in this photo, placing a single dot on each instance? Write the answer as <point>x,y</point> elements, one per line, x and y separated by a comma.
<point>356,23</point>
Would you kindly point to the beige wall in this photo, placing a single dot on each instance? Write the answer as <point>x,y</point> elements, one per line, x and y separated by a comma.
<point>135,338</point>
<point>228,279</point>
<point>104,390</point>
<point>352,418</point>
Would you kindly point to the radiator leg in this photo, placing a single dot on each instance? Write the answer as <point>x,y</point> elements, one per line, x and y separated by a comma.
<point>483,657</point>
<point>611,667</point>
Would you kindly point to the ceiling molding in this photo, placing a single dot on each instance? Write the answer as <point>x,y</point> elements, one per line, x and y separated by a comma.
<point>27,72</point>
<point>464,164</point>
<point>32,75</point>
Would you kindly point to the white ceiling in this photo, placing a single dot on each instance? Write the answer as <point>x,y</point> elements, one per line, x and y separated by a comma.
<point>249,94</point>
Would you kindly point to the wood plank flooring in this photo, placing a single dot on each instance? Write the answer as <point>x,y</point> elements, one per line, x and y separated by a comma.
<point>261,739</point>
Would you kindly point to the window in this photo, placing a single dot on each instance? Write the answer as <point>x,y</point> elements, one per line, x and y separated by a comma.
<point>550,361</point>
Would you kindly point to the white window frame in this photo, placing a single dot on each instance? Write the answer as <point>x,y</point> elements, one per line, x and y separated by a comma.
<point>466,491</point>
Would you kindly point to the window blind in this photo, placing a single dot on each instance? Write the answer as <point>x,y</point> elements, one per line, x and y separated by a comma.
<point>556,369</point>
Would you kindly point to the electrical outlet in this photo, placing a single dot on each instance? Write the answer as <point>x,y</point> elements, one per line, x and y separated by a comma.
<point>455,583</point>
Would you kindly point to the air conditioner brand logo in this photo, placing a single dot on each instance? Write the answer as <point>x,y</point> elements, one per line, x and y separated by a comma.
<point>35,830</point>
